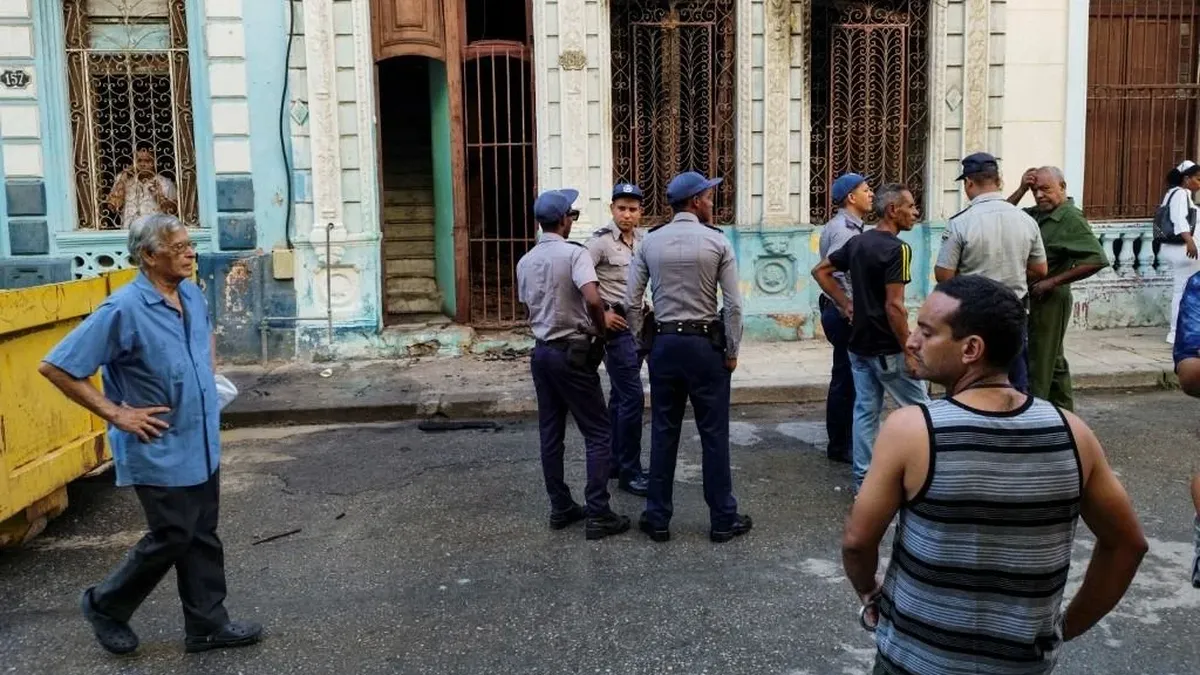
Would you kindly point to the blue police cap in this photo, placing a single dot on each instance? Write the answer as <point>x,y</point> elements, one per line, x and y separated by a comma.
<point>844,185</point>
<point>552,205</point>
<point>688,185</point>
<point>627,190</point>
<point>978,162</point>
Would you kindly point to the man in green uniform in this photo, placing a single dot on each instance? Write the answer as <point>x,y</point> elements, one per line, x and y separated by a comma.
<point>1073,254</point>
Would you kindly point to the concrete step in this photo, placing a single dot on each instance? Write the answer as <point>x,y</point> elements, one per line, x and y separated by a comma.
<point>408,231</point>
<point>422,213</point>
<point>408,249</point>
<point>412,287</point>
<point>410,267</point>
<point>397,305</point>
<point>408,197</point>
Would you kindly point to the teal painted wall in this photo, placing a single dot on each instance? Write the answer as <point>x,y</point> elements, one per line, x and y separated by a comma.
<point>443,185</point>
<point>266,31</point>
<point>202,130</point>
<point>4,251</point>
<point>57,152</point>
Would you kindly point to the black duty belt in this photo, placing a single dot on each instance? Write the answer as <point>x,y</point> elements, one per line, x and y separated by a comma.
<point>705,328</point>
<point>561,344</point>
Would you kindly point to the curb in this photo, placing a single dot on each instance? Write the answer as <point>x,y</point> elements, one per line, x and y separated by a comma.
<point>509,404</point>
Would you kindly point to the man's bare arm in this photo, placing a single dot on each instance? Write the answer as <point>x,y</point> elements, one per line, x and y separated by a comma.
<point>897,313</point>
<point>1120,544</point>
<point>902,438</point>
<point>139,421</point>
<point>1036,271</point>
<point>595,305</point>
<point>823,274</point>
<point>943,274</point>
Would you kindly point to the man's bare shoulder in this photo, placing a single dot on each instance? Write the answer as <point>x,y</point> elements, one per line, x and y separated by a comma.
<point>905,430</point>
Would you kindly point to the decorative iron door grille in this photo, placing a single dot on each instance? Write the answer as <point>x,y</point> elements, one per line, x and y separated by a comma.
<point>127,66</point>
<point>870,109</point>
<point>500,153</point>
<point>673,97</point>
<point>1142,99</point>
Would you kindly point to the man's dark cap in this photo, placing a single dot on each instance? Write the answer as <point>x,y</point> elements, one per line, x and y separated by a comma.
<point>978,163</point>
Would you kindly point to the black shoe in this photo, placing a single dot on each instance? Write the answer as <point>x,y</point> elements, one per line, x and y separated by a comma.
<point>115,636</point>
<point>741,525</point>
<point>607,525</point>
<point>659,535</point>
<point>234,634</point>
<point>563,519</point>
<point>839,458</point>
<point>637,486</point>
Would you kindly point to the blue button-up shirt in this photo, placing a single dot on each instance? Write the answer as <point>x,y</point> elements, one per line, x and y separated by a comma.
<point>153,356</point>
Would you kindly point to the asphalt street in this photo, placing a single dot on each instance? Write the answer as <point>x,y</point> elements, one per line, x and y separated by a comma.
<point>423,552</point>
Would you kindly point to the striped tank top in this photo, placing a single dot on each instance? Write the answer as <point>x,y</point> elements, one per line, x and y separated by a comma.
<point>981,553</point>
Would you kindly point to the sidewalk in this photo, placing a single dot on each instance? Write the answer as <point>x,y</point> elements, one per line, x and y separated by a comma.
<point>500,385</point>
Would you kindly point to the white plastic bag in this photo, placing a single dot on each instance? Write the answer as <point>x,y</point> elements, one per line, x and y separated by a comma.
<point>226,391</point>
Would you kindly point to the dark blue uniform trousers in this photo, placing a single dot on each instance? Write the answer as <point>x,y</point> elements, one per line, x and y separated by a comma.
<point>626,401</point>
<point>839,404</point>
<point>562,388</point>
<point>684,367</point>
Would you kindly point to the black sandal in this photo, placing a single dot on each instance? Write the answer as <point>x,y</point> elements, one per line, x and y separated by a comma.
<point>115,636</point>
<point>233,634</point>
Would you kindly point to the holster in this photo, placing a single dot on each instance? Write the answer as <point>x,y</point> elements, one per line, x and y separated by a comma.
<point>717,336</point>
<point>649,330</point>
<point>585,353</point>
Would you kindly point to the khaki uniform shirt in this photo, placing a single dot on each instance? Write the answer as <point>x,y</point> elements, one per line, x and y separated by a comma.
<point>549,277</point>
<point>611,256</point>
<point>994,239</point>
<point>685,261</point>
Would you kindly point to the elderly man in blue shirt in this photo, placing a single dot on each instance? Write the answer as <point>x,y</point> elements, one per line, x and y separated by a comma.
<point>154,340</point>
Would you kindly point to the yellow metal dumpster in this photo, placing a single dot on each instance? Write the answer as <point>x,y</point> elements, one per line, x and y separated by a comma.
<point>46,441</point>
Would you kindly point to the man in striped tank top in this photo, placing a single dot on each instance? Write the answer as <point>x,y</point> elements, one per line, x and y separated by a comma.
<point>989,484</point>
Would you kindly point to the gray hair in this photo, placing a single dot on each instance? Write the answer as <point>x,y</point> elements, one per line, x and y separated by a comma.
<point>1055,173</point>
<point>148,233</point>
<point>888,195</point>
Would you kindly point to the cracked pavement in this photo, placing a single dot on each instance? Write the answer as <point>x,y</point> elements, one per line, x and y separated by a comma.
<point>429,553</point>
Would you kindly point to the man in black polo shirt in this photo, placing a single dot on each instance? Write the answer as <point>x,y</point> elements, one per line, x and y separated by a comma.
<point>879,264</point>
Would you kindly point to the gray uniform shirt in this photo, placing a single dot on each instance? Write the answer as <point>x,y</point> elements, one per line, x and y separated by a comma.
<point>612,256</point>
<point>841,228</point>
<point>548,281</point>
<point>994,239</point>
<point>685,261</point>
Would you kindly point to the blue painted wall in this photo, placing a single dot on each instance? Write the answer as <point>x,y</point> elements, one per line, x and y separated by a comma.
<point>4,250</point>
<point>57,153</point>
<point>202,128</point>
<point>443,185</point>
<point>266,29</point>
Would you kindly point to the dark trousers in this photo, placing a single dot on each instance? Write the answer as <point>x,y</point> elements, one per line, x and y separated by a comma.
<point>839,403</point>
<point>183,534</point>
<point>684,367</point>
<point>563,388</point>
<point>626,402</point>
<point>1018,372</point>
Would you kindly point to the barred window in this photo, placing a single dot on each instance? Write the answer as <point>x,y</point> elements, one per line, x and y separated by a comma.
<point>131,111</point>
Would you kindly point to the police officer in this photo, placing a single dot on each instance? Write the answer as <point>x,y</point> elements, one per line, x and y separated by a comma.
<point>612,248</point>
<point>557,282</point>
<point>694,352</point>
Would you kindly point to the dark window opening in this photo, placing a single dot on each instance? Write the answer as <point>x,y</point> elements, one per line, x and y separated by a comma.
<point>497,20</point>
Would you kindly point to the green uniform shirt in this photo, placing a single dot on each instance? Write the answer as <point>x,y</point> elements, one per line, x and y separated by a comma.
<point>1068,238</point>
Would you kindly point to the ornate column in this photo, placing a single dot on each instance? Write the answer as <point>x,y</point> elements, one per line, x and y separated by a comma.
<point>777,101</point>
<point>975,73</point>
<point>744,194</point>
<point>572,63</point>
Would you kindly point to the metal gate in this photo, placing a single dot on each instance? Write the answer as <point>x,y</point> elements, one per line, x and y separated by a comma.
<point>500,153</point>
<point>673,97</point>
<point>870,110</point>
<point>1142,99</point>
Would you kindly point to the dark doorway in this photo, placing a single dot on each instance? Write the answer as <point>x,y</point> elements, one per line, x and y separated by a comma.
<point>500,154</point>
<point>409,269</point>
<point>870,91</point>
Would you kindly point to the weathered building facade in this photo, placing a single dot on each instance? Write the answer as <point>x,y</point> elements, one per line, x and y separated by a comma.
<point>361,172</point>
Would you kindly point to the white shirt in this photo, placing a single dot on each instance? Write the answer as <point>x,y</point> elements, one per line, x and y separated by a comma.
<point>139,200</point>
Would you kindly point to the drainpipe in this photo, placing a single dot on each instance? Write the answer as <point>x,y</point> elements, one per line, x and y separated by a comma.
<point>264,328</point>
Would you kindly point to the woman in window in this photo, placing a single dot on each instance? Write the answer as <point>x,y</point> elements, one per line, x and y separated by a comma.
<point>1176,222</point>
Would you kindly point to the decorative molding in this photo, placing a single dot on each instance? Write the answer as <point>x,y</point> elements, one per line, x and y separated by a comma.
<point>572,59</point>
<point>604,35</point>
<point>776,128</point>
<point>364,66</point>
<point>975,72</point>
<point>572,24</point>
<point>935,200</point>
<point>321,72</point>
<point>745,108</point>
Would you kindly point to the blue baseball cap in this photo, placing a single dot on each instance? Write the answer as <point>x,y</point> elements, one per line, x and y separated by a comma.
<point>552,205</point>
<point>627,190</point>
<point>688,185</point>
<point>844,185</point>
<point>978,162</point>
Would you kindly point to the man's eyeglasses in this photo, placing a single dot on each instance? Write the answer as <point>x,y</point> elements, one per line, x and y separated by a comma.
<point>181,247</point>
<point>573,214</point>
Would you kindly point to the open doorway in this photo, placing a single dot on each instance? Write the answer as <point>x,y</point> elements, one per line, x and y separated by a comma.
<point>408,207</point>
<point>500,155</point>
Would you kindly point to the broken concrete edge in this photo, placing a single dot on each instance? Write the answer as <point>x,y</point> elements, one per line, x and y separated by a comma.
<point>510,404</point>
